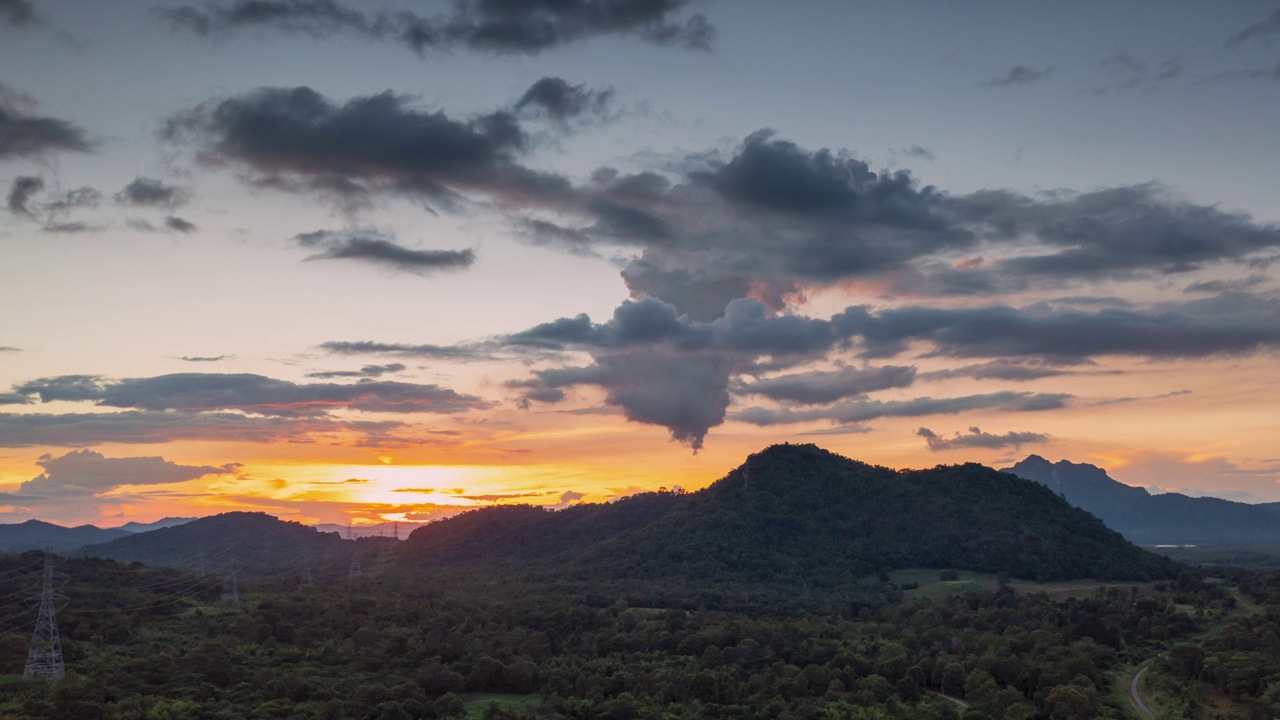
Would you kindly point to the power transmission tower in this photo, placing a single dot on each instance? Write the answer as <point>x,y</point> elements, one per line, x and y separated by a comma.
<point>44,659</point>
<point>355,557</point>
<point>230,589</point>
<point>305,582</point>
<point>395,533</point>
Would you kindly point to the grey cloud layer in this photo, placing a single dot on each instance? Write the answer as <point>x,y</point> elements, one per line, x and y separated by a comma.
<point>150,192</point>
<point>25,135</point>
<point>374,247</point>
<point>769,221</point>
<point>18,13</point>
<point>976,438</point>
<point>249,393</point>
<point>861,411</point>
<point>497,26</point>
<point>85,473</point>
<point>562,101</point>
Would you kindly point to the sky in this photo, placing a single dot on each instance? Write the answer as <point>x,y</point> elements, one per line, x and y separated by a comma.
<point>387,261</point>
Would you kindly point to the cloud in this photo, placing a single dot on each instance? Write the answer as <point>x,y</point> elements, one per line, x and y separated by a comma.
<point>976,438</point>
<point>1125,72</point>
<point>70,228</point>
<point>562,101</point>
<point>85,473</point>
<point>20,194</point>
<point>1262,30</point>
<point>1010,370</point>
<point>368,371</point>
<point>249,393</point>
<point>296,139</point>
<point>1019,75</point>
<point>662,368</point>
<point>205,359</point>
<point>149,192</point>
<point>1227,324</point>
<point>148,428</point>
<point>817,387</point>
<point>853,412</point>
<point>568,498</point>
<point>1271,74</point>
<point>437,352</point>
<point>172,223</point>
<point>373,247</point>
<point>23,135</point>
<point>482,25</point>
<point>17,13</point>
<point>14,399</point>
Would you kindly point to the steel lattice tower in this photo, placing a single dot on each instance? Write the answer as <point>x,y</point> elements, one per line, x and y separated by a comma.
<point>44,659</point>
<point>230,589</point>
<point>355,557</point>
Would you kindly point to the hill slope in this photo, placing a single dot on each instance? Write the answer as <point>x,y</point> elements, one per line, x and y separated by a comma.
<point>253,542</point>
<point>800,513</point>
<point>36,534</point>
<point>1148,519</point>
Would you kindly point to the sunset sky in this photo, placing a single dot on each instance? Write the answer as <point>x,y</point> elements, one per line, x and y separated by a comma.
<point>365,261</point>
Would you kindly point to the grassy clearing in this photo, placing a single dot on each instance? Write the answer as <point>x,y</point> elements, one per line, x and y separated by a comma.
<point>929,584</point>
<point>476,703</point>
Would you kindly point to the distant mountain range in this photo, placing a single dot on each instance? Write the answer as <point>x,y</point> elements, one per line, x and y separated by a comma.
<point>1146,519</point>
<point>37,535</point>
<point>800,514</point>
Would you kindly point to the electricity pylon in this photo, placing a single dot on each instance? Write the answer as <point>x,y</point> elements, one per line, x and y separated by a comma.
<point>44,659</point>
<point>230,589</point>
<point>355,557</point>
<point>305,582</point>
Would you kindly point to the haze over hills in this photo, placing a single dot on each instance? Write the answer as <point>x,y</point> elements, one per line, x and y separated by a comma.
<point>250,542</point>
<point>1146,519</point>
<point>37,534</point>
<point>800,513</point>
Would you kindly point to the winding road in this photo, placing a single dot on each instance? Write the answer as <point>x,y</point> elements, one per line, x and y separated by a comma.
<point>1133,691</point>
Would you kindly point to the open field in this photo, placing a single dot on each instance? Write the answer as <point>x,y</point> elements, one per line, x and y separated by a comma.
<point>928,584</point>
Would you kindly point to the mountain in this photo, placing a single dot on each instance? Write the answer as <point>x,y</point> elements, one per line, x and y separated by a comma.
<point>1146,519</point>
<point>253,543</point>
<point>137,527</point>
<point>37,534</point>
<point>797,513</point>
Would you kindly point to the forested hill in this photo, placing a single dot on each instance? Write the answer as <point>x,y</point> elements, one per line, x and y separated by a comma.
<point>251,542</point>
<point>800,513</point>
<point>37,535</point>
<point>1170,518</point>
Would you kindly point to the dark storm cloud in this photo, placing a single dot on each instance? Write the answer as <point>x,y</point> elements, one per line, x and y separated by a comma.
<point>148,428</point>
<point>25,135</point>
<point>1228,324</point>
<point>1263,30</point>
<point>976,438</point>
<point>819,387</point>
<point>149,192</point>
<point>297,139</point>
<point>562,101</point>
<point>661,368</point>
<point>20,194</point>
<point>1019,75</point>
<point>368,371</point>
<point>17,13</point>
<point>498,26</point>
<point>374,247</point>
<point>85,473</point>
<point>854,412</point>
<point>249,393</point>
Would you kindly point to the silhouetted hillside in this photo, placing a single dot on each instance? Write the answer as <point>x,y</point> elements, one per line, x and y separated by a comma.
<point>798,513</point>
<point>253,542</point>
<point>36,535</point>
<point>1147,519</point>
